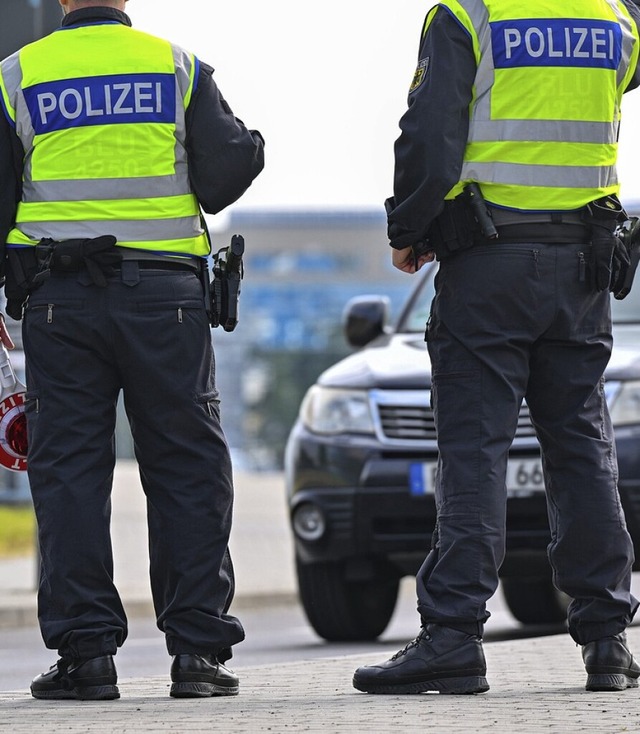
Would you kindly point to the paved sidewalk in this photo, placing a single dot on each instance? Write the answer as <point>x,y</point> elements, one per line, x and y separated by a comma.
<point>261,548</point>
<point>536,686</point>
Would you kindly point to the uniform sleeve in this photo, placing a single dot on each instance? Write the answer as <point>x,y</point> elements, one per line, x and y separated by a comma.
<point>224,156</point>
<point>10,177</point>
<point>634,11</point>
<point>430,150</point>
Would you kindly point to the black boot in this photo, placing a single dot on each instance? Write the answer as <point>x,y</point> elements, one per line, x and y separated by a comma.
<point>86,680</point>
<point>610,666</point>
<point>439,659</point>
<point>199,676</point>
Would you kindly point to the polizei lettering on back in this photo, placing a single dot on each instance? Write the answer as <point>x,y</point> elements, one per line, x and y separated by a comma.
<point>104,100</point>
<point>556,42</point>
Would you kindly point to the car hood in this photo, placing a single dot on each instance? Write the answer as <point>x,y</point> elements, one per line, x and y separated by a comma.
<point>398,361</point>
<point>401,361</point>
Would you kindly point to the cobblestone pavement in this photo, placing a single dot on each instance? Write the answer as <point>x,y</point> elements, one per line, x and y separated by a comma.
<point>536,686</point>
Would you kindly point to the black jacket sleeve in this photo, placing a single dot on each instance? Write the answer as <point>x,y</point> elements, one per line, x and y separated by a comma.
<point>10,182</point>
<point>634,11</point>
<point>434,130</point>
<point>224,156</point>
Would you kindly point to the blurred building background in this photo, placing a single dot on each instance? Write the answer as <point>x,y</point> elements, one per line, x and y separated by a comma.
<point>25,20</point>
<point>301,268</point>
<point>22,21</point>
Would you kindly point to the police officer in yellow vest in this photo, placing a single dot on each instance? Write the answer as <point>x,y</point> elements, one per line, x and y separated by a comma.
<point>506,172</point>
<point>110,142</point>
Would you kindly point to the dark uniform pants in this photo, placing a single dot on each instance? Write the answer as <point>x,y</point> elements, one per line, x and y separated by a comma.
<point>514,321</point>
<point>146,334</point>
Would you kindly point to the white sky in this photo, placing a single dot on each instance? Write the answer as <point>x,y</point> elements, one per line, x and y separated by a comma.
<point>326,84</point>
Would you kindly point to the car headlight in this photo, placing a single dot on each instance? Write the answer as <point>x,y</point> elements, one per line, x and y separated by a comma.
<point>333,410</point>
<point>624,402</point>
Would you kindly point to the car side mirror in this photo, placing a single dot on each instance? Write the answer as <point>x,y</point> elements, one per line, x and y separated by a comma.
<point>364,319</point>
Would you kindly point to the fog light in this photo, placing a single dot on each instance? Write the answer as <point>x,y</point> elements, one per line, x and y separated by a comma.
<point>309,522</point>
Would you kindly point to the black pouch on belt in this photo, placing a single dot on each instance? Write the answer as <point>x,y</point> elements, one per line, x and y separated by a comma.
<point>97,256</point>
<point>22,266</point>
<point>609,256</point>
<point>453,230</point>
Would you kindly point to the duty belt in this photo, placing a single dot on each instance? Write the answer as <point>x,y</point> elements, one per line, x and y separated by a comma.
<point>508,217</point>
<point>101,258</point>
<point>150,261</point>
<point>467,221</point>
<point>567,227</point>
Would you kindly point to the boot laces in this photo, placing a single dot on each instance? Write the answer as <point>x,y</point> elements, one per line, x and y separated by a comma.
<point>423,635</point>
<point>66,682</point>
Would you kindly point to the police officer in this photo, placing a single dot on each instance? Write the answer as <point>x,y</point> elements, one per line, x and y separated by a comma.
<point>110,135</point>
<point>522,102</point>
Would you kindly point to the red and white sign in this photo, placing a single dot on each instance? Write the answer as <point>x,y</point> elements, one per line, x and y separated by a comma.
<point>13,421</point>
<point>13,432</point>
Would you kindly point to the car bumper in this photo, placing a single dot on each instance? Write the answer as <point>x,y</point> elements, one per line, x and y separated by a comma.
<point>369,511</point>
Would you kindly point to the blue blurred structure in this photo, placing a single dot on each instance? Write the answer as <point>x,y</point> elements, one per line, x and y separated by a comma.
<point>301,268</point>
<point>14,488</point>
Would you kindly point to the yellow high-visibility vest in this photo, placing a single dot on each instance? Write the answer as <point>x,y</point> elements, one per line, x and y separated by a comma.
<point>545,112</point>
<point>100,110</point>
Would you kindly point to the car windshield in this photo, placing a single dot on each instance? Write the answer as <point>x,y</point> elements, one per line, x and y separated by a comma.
<point>414,317</point>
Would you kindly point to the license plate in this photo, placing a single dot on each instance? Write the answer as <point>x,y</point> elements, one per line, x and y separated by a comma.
<point>524,477</point>
<point>422,478</point>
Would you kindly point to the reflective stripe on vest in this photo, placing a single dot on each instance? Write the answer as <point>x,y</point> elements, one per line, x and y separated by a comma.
<point>104,139</point>
<point>545,112</point>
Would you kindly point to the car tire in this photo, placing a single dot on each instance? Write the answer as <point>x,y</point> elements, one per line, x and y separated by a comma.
<point>535,600</point>
<point>341,610</point>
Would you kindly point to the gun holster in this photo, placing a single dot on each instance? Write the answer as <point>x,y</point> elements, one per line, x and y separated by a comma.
<point>628,235</point>
<point>228,271</point>
<point>609,257</point>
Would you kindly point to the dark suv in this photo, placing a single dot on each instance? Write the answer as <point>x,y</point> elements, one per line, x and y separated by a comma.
<point>360,461</point>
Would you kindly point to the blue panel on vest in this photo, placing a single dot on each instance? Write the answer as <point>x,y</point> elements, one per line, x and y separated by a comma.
<point>567,42</point>
<point>103,100</point>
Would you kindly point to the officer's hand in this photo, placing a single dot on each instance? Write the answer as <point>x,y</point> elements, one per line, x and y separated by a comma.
<point>5,337</point>
<point>405,259</point>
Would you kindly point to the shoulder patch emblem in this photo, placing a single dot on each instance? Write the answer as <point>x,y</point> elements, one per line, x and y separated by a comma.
<point>421,73</point>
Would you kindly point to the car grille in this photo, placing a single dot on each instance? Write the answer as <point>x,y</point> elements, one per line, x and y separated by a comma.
<point>403,422</point>
<point>402,419</point>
